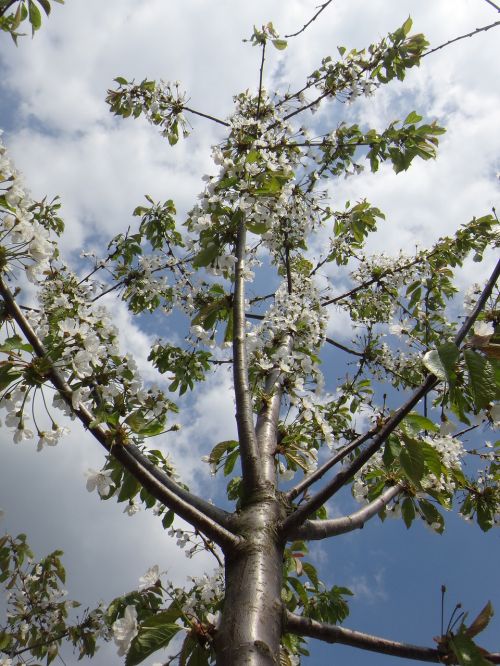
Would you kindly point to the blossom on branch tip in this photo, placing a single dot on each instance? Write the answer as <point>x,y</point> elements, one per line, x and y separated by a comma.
<point>150,578</point>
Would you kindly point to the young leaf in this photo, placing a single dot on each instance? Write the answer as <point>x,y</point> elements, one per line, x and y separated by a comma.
<point>482,378</point>
<point>35,17</point>
<point>408,511</point>
<point>418,422</point>
<point>412,460</point>
<point>467,652</point>
<point>481,621</point>
<point>154,634</point>
<point>434,364</point>
<point>280,44</point>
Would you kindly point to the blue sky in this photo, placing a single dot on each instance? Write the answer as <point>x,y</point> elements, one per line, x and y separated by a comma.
<point>61,135</point>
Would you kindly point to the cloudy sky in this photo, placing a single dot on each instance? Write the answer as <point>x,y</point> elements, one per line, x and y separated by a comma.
<point>61,135</point>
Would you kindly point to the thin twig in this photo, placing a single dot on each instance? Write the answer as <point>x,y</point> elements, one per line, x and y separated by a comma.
<point>336,458</point>
<point>197,511</point>
<point>493,5</point>
<point>261,76</point>
<point>344,348</point>
<point>306,25</point>
<point>206,115</point>
<point>344,476</point>
<point>7,6</point>
<point>457,39</point>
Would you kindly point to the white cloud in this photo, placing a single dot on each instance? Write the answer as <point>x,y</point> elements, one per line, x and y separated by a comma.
<point>66,142</point>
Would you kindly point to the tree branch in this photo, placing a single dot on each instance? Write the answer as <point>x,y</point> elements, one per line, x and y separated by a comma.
<point>267,419</point>
<point>206,115</point>
<point>321,529</point>
<point>469,34</point>
<point>493,5</point>
<point>249,447</point>
<point>306,25</point>
<point>343,348</point>
<point>198,512</point>
<point>261,76</point>
<point>330,633</point>
<point>308,480</point>
<point>7,6</point>
<point>342,477</point>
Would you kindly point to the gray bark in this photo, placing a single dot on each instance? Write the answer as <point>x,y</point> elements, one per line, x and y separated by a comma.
<point>251,625</point>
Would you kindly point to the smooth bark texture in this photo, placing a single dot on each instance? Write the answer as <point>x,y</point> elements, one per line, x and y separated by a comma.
<point>251,626</point>
<point>249,450</point>
<point>331,633</point>
<point>321,529</point>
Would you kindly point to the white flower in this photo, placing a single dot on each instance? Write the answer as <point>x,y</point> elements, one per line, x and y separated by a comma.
<point>22,433</point>
<point>483,329</point>
<point>447,428</point>
<point>132,508</point>
<point>150,578</point>
<point>50,437</point>
<point>214,618</point>
<point>99,480</point>
<point>125,630</point>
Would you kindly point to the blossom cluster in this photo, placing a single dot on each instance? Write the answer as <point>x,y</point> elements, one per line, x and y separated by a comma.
<point>450,451</point>
<point>83,345</point>
<point>24,241</point>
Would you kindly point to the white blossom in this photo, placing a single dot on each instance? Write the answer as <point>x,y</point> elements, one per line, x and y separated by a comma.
<point>150,578</point>
<point>484,329</point>
<point>125,630</point>
<point>100,481</point>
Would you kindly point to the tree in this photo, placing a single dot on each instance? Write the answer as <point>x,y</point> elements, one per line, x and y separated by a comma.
<point>260,214</point>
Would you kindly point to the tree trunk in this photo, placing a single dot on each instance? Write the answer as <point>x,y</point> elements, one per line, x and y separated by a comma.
<point>252,617</point>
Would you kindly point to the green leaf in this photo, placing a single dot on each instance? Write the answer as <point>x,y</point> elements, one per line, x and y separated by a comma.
<point>280,44</point>
<point>412,460</point>
<point>406,27</point>
<point>434,364</point>
<point>46,6</point>
<point>431,515</point>
<point>145,426</point>
<point>15,343</point>
<point>481,621</point>
<point>220,449</point>
<point>449,353</point>
<point>418,422</point>
<point>206,256</point>
<point>129,488</point>
<point>258,228</point>
<point>155,633</point>
<point>392,451</point>
<point>231,462</point>
<point>193,654</point>
<point>6,376</point>
<point>482,378</point>
<point>35,18</point>
<point>467,652</point>
<point>311,573</point>
<point>5,640</point>
<point>408,511</point>
<point>411,118</point>
<point>168,519</point>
